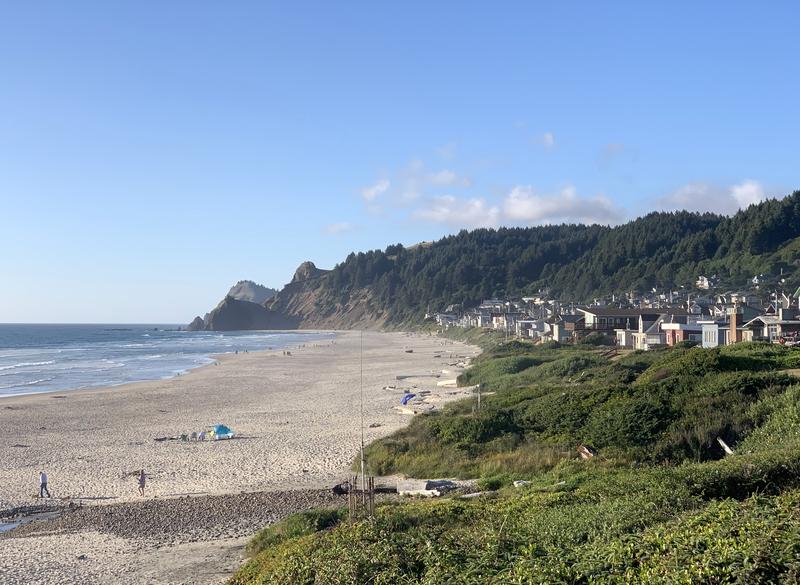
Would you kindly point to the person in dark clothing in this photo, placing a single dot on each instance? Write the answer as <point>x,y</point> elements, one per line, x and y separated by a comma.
<point>43,485</point>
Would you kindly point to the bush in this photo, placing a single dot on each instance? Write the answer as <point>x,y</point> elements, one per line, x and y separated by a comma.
<point>596,338</point>
<point>296,525</point>
<point>490,484</point>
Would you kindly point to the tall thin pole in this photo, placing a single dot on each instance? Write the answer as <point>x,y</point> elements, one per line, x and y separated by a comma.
<point>363,459</point>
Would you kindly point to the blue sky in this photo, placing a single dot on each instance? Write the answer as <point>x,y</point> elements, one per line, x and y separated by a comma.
<point>153,153</point>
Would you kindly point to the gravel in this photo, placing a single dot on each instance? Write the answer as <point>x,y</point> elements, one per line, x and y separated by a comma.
<point>186,519</point>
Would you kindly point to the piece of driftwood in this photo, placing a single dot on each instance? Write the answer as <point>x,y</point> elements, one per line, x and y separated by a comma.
<point>429,488</point>
<point>473,495</point>
<point>724,446</point>
<point>586,451</point>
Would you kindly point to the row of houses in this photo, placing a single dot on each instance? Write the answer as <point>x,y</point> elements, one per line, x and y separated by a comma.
<point>643,327</point>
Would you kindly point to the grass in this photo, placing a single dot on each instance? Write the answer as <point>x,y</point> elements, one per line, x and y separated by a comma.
<point>661,504</point>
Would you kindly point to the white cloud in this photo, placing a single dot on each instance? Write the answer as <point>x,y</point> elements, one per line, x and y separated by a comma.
<point>456,212</point>
<point>372,192</point>
<point>448,178</point>
<point>709,197</point>
<point>443,177</point>
<point>411,183</point>
<point>524,205</point>
<point>547,140</point>
<point>748,193</point>
<point>342,227</point>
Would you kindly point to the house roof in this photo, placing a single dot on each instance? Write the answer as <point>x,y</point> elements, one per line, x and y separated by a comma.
<point>569,318</point>
<point>612,312</point>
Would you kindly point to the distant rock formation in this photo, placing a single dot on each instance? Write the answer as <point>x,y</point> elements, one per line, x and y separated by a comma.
<point>305,302</point>
<point>247,290</point>
<point>235,315</point>
<point>307,271</point>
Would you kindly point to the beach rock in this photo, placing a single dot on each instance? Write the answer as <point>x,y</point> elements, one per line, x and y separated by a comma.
<point>196,325</point>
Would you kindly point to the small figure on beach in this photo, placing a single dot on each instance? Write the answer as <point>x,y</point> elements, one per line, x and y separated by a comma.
<point>141,482</point>
<point>43,485</point>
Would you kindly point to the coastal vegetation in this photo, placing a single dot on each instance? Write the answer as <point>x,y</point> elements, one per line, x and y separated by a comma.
<point>660,502</point>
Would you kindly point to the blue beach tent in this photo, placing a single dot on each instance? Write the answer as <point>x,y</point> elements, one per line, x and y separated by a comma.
<point>222,432</point>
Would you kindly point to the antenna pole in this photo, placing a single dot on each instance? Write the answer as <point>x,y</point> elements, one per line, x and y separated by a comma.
<point>363,458</point>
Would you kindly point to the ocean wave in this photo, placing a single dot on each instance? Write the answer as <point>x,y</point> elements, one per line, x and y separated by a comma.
<point>26,364</point>
<point>23,384</point>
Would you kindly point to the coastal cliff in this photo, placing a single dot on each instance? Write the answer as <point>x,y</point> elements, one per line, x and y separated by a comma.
<point>397,286</point>
<point>247,290</point>
<point>306,302</point>
<point>235,315</point>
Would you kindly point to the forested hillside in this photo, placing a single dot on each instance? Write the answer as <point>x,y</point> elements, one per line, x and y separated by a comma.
<point>575,262</point>
<point>396,286</point>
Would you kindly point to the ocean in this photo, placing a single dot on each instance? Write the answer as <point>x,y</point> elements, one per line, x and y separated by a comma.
<point>47,358</point>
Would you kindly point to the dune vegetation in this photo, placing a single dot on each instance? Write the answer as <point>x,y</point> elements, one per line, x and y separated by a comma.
<point>661,502</point>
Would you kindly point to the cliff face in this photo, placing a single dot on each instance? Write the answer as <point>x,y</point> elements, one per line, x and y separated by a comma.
<point>247,290</point>
<point>307,271</point>
<point>305,303</point>
<point>235,315</point>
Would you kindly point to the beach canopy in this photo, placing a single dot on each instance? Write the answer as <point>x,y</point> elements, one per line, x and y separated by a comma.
<point>222,431</point>
<point>404,400</point>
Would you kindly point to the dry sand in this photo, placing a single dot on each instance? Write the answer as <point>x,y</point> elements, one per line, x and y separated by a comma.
<point>297,425</point>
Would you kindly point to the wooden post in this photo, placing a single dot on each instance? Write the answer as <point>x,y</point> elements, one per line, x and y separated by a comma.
<point>371,497</point>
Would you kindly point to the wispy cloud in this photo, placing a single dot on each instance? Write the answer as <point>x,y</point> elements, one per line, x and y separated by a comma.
<point>449,210</point>
<point>521,206</point>
<point>338,228</point>
<point>411,183</point>
<point>702,196</point>
<point>448,178</point>
<point>547,140</point>
<point>372,192</point>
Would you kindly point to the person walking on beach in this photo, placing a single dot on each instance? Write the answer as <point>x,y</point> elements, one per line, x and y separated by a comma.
<point>43,485</point>
<point>141,482</point>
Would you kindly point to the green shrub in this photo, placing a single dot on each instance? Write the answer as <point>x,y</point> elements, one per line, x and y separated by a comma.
<point>493,483</point>
<point>293,526</point>
<point>595,338</point>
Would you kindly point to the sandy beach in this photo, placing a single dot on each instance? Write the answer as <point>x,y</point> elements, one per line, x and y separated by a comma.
<point>296,420</point>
